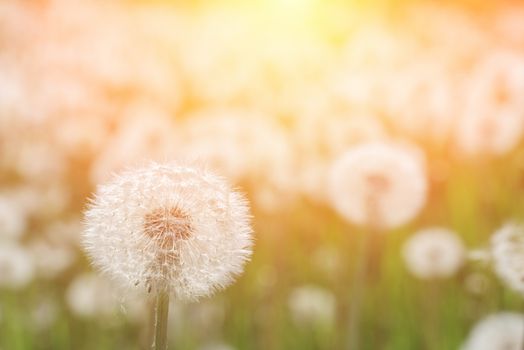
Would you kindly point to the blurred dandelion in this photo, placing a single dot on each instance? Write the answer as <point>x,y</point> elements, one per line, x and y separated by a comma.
<point>507,248</point>
<point>233,142</point>
<point>501,331</point>
<point>169,229</point>
<point>217,346</point>
<point>378,184</point>
<point>90,296</point>
<point>13,219</point>
<point>312,306</point>
<point>44,314</point>
<point>16,266</point>
<point>146,133</point>
<point>477,283</point>
<point>50,260</point>
<point>434,253</point>
<point>493,122</point>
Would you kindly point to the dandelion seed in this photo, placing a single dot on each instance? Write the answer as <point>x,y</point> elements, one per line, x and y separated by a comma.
<point>378,184</point>
<point>501,331</point>
<point>434,253</point>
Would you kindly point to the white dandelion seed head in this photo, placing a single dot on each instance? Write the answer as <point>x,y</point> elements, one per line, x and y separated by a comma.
<point>312,305</point>
<point>492,122</point>
<point>434,253</point>
<point>16,266</point>
<point>169,226</point>
<point>494,134</point>
<point>381,184</point>
<point>507,248</point>
<point>500,331</point>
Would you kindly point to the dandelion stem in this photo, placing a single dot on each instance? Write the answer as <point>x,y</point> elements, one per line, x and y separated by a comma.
<point>522,337</point>
<point>357,296</point>
<point>161,311</point>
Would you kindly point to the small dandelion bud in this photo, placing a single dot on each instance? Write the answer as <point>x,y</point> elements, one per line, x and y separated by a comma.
<point>507,247</point>
<point>170,228</point>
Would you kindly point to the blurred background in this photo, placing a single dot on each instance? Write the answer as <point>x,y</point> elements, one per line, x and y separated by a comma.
<point>270,94</point>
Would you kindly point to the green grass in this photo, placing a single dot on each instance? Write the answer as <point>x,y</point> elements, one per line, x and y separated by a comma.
<point>399,311</point>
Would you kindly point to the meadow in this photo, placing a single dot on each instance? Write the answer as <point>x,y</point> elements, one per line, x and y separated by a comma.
<point>352,128</point>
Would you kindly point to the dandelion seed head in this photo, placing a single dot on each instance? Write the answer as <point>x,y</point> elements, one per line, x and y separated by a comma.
<point>16,266</point>
<point>434,253</point>
<point>169,226</point>
<point>501,331</point>
<point>382,184</point>
<point>507,247</point>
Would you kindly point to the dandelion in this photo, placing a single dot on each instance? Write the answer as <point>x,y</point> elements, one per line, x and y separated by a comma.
<point>434,253</point>
<point>50,260</point>
<point>507,249</point>
<point>146,133</point>
<point>492,122</point>
<point>234,142</point>
<point>312,305</point>
<point>169,229</point>
<point>16,266</point>
<point>89,295</point>
<point>378,184</point>
<point>501,331</point>
<point>12,218</point>
<point>477,283</point>
<point>217,346</point>
<point>325,139</point>
<point>44,314</point>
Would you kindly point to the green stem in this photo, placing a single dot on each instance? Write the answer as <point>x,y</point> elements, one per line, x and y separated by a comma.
<point>161,312</point>
<point>357,295</point>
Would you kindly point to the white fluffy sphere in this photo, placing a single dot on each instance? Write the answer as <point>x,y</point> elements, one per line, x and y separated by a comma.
<point>381,184</point>
<point>434,253</point>
<point>169,227</point>
<point>501,331</point>
<point>507,248</point>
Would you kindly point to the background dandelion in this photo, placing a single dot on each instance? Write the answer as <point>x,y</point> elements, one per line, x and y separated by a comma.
<point>272,95</point>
